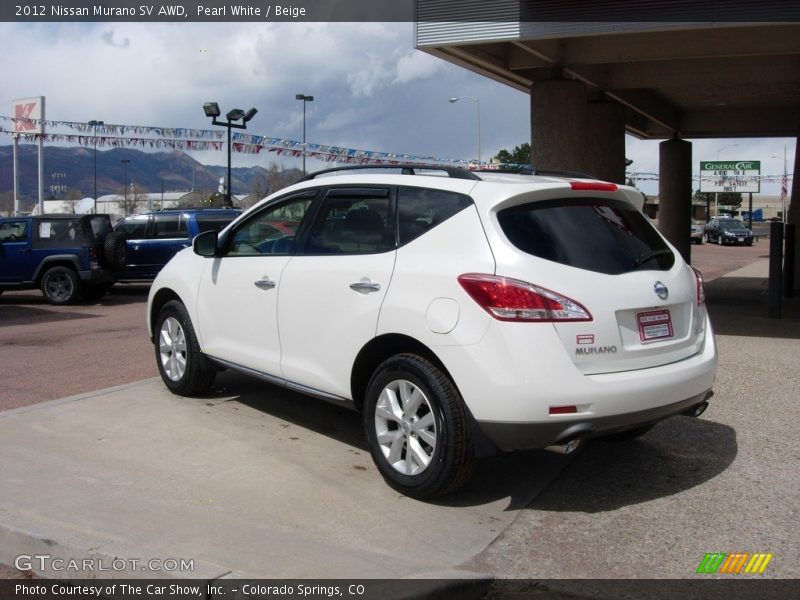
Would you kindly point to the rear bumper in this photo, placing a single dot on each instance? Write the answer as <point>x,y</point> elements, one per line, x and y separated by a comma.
<point>522,436</point>
<point>97,276</point>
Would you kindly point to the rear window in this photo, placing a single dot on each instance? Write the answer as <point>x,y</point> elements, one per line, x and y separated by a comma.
<point>597,235</point>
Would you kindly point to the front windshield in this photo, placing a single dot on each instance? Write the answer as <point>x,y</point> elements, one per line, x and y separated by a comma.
<point>731,224</point>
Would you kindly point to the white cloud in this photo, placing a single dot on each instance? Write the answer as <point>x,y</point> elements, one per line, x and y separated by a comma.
<point>416,65</point>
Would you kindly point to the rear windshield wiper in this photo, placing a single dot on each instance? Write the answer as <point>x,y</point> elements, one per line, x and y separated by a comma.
<point>645,256</point>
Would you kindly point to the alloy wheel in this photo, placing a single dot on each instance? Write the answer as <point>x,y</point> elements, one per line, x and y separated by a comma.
<point>405,427</point>
<point>172,348</point>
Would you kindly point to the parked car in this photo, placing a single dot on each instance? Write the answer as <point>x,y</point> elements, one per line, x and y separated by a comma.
<point>66,256</point>
<point>462,315</point>
<point>155,237</point>
<point>728,231</point>
<point>698,231</point>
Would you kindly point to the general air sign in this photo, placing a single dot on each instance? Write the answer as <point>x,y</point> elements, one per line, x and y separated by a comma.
<point>730,176</point>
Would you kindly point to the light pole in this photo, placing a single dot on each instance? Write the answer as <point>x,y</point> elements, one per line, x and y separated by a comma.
<point>478,106</point>
<point>125,162</point>
<point>94,125</point>
<point>212,110</point>
<point>305,99</point>
<point>716,194</point>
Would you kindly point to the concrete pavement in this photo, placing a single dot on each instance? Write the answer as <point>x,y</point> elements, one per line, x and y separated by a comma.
<point>252,482</point>
<point>255,481</point>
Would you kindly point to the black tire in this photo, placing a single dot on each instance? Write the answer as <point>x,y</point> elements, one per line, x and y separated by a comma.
<point>115,250</point>
<point>451,458</point>
<point>183,368</point>
<point>60,285</point>
<point>628,434</point>
<point>95,291</point>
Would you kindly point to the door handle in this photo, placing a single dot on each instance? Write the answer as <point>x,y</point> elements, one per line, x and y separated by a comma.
<point>365,286</point>
<point>265,284</point>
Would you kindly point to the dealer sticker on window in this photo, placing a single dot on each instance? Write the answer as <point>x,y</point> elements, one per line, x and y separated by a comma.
<point>654,325</point>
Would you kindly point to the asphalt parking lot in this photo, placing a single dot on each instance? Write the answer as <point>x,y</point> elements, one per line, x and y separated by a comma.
<point>135,471</point>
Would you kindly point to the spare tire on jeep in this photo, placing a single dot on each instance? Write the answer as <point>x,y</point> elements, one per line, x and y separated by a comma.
<point>115,250</point>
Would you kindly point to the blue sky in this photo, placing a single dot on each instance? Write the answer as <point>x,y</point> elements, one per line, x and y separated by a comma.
<point>372,89</point>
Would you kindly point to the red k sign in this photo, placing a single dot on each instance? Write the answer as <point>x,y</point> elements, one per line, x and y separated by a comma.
<point>22,114</point>
<point>28,115</point>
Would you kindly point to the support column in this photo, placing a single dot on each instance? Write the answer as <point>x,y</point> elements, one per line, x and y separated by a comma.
<point>559,120</point>
<point>675,194</point>
<point>794,211</point>
<point>605,140</point>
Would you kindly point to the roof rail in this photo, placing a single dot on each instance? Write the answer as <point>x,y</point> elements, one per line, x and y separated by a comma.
<point>405,169</point>
<point>541,172</point>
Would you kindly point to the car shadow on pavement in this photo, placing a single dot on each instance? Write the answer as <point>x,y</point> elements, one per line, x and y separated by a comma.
<point>678,454</point>
<point>14,314</point>
<point>739,306</point>
<point>337,422</point>
<point>518,476</point>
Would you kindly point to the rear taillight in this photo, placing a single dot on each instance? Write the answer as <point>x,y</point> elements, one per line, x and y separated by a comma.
<point>593,186</point>
<point>701,292</point>
<point>509,299</point>
<point>93,262</point>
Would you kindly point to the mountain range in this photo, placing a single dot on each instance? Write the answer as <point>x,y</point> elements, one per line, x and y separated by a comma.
<point>70,171</point>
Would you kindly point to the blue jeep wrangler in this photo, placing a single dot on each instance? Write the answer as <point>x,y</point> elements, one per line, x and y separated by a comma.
<point>66,256</point>
<point>155,237</point>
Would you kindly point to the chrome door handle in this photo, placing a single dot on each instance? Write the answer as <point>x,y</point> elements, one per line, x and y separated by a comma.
<point>366,286</point>
<point>265,284</point>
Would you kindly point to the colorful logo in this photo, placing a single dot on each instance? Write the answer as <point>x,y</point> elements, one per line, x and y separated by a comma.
<point>734,563</point>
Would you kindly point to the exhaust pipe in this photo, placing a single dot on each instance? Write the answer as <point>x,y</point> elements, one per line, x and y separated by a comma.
<point>698,410</point>
<point>565,447</point>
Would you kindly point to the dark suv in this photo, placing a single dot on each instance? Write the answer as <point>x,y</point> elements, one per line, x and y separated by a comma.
<point>66,256</point>
<point>154,238</point>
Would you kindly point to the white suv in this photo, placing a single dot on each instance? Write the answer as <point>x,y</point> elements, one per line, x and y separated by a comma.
<point>462,313</point>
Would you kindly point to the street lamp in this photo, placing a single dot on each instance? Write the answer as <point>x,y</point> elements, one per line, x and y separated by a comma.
<point>478,105</point>
<point>305,99</point>
<point>212,110</point>
<point>93,124</point>
<point>716,194</point>
<point>125,162</point>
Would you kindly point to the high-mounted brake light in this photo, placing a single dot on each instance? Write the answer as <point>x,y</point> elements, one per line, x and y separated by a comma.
<point>701,292</point>
<point>508,299</point>
<point>593,186</point>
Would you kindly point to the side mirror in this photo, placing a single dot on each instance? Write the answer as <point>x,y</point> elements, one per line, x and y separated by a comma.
<point>205,244</point>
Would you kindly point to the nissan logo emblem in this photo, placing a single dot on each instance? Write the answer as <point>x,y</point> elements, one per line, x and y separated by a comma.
<point>661,290</point>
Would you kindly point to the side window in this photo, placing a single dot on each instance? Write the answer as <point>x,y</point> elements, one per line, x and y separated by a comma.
<point>58,231</point>
<point>352,221</point>
<point>13,231</point>
<point>169,227</point>
<point>421,209</point>
<point>134,228</point>
<point>272,230</point>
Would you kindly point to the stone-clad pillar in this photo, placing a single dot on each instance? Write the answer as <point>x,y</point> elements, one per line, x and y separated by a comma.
<point>675,194</point>
<point>605,140</point>
<point>559,119</point>
<point>570,134</point>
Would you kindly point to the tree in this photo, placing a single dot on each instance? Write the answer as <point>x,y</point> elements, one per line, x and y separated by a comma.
<point>129,202</point>
<point>6,204</point>
<point>729,199</point>
<point>520,155</point>
<point>279,178</point>
<point>71,199</point>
